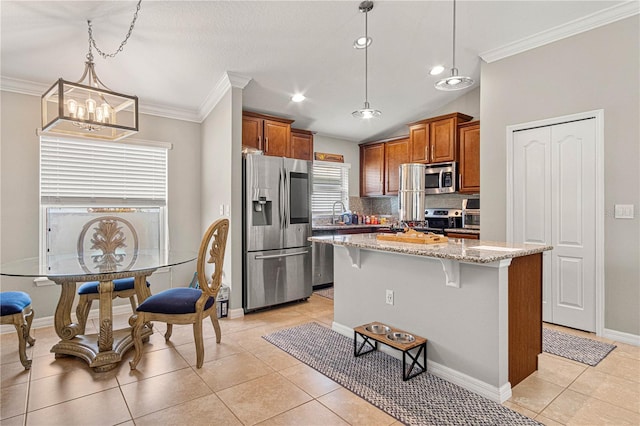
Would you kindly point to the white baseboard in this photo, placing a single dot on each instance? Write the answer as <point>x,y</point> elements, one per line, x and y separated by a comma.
<point>472,384</point>
<point>622,337</point>
<point>235,313</point>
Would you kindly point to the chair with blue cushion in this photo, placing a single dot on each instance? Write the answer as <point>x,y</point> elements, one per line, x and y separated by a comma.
<point>15,308</point>
<point>88,292</point>
<point>186,305</point>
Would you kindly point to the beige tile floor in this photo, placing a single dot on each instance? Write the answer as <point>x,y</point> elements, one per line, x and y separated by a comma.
<point>246,380</point>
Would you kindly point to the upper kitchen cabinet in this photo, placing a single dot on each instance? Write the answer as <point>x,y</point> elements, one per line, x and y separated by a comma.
<point>435,140</point>
<point>379,165</point>
<point>302,144</point>
<point>372,169</point>
<point>469,137</point>
<point>395,153</point>
<point>270,134</point>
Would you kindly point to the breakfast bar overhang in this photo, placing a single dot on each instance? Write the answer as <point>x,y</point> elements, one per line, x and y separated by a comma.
<point>478,303</point>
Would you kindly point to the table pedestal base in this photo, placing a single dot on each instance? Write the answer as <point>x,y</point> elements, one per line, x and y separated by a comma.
<point>86,347</point>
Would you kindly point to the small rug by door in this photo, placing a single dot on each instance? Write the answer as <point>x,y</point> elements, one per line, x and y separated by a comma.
<point>581,349</point>
<point>377,378</point>
<point>325,292</point>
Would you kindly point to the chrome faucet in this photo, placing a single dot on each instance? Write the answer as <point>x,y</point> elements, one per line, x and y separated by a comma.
<point>333,211</point>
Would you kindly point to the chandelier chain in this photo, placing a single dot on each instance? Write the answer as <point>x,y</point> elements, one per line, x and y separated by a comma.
<point>92,42</point>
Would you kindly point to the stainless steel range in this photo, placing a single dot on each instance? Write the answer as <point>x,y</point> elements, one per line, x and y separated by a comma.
<point>443,218</point>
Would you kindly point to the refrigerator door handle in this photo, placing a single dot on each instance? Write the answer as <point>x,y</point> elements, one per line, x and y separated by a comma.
<point>275,256</point>
<point>286,199</point>
<point>281,198</point>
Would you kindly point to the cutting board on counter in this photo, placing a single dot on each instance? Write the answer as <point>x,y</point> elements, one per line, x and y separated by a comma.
<point>414,237</point>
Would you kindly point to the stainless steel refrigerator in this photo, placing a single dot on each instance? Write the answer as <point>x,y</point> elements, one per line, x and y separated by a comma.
<point>276,227</point>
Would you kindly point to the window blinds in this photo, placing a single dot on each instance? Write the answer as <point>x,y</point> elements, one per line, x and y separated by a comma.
<point>78,171</point>
<point>330,184</point>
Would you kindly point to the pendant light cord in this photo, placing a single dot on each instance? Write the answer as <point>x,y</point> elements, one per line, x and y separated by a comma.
<point>92,42</point>
<point>454,34</point>
<point>366,58</point>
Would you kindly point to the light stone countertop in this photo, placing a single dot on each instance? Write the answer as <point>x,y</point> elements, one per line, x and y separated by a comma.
<point>463,250</point>
<point>463,231</point>
<point>331,227</point>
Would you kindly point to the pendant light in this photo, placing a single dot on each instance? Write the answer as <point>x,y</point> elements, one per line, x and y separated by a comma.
<point>455,81</point>
<point>367,112</point>
<point>88,108</point>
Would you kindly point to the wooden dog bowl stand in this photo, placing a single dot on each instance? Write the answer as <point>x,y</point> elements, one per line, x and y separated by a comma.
<point>370,343</point>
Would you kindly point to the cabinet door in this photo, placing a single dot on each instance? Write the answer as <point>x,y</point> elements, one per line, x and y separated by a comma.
<point>462,235</point>
<point>277,138</point>
<point>395,153</point>
<point>419,143</point>
<point>372,170</point>
<point>442,140</point>
<point>470,158</point>
<point>301,146</point>
<point>252,132</point>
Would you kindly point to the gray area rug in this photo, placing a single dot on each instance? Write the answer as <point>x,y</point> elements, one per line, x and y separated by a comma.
<point>325,292</point>
<point>581,349</point>
<point>377,377</point>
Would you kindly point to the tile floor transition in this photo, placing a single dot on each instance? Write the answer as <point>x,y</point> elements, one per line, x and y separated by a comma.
<point>246,380</point>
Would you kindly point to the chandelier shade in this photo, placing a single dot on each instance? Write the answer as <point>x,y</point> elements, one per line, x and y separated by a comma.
<point>75,109</point>
<point>88,108</point>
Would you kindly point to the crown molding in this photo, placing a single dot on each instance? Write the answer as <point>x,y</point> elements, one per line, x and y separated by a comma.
<point>23,87</point>
<point>229,80</point>
<point>589,22</point>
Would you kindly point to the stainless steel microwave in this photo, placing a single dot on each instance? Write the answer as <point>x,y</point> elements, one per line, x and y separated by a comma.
<point>440,178</point>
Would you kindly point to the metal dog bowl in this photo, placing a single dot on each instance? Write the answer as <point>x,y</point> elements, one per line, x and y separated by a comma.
<point>377,328</point>
<point>401,337</point>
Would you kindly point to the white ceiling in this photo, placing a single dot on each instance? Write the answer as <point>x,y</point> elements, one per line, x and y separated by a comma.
<point>180,51</point>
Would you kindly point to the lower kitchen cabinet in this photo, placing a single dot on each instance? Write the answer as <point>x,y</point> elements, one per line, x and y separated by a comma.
<point>463,235</point>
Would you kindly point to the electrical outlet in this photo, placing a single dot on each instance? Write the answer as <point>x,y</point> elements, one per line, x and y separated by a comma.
<point>389,297</point>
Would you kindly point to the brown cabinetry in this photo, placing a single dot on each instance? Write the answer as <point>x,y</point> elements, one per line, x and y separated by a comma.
<point>395,153</point>
<point>435,140</point>
<point>463,235</point>
<point>372,169</point>
<point>469,137</point>
<point>270,134</point>
<point>301,144</point>
<point>379,166</point>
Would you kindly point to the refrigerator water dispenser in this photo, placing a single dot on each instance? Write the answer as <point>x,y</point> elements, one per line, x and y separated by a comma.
<point>261,212</point>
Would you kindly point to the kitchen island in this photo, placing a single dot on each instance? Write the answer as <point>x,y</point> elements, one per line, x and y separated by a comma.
<point>479,303</point>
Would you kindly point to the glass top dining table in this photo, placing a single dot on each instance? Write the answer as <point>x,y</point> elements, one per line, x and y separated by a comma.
<point>104,350</point>
<point>71,265</point>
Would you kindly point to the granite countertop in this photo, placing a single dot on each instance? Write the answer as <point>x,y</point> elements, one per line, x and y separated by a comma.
<point>330,227</point>
<point>464,250</point>
<point>463,231</point>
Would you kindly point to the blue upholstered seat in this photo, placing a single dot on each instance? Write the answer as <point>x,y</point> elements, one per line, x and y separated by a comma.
<point>13,302</point>
<point>118,285</point>
<point>180,300</point>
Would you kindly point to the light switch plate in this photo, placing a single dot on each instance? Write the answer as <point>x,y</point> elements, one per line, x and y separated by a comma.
<point>623,211</point>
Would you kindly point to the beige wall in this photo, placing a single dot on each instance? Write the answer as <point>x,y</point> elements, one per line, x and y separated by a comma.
<point>19,193</point>
<point>221,182</point>
<point>598,69</point>
<point>351,152</point>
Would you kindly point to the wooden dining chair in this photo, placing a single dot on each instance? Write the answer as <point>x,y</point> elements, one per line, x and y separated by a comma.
<point>186,305</point>
<point>15,308</point>
<point>108,233</point>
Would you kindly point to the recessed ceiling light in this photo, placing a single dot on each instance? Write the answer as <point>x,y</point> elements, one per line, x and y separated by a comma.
<point>362,42</point>
<point>436,70</point>
<point>298,97</point>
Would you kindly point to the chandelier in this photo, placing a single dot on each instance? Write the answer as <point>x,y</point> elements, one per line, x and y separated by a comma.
<point>88,108</point>
<point>454,81</point>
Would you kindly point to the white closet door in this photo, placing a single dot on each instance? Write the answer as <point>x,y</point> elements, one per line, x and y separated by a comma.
<point>532,200</point>
<point>554,203</point>
<point>573,238</point>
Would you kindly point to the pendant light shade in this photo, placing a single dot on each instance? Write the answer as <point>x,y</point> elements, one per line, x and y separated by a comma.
<point>88,108</point>
<point>454,81</point>
<point>366,112</point>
